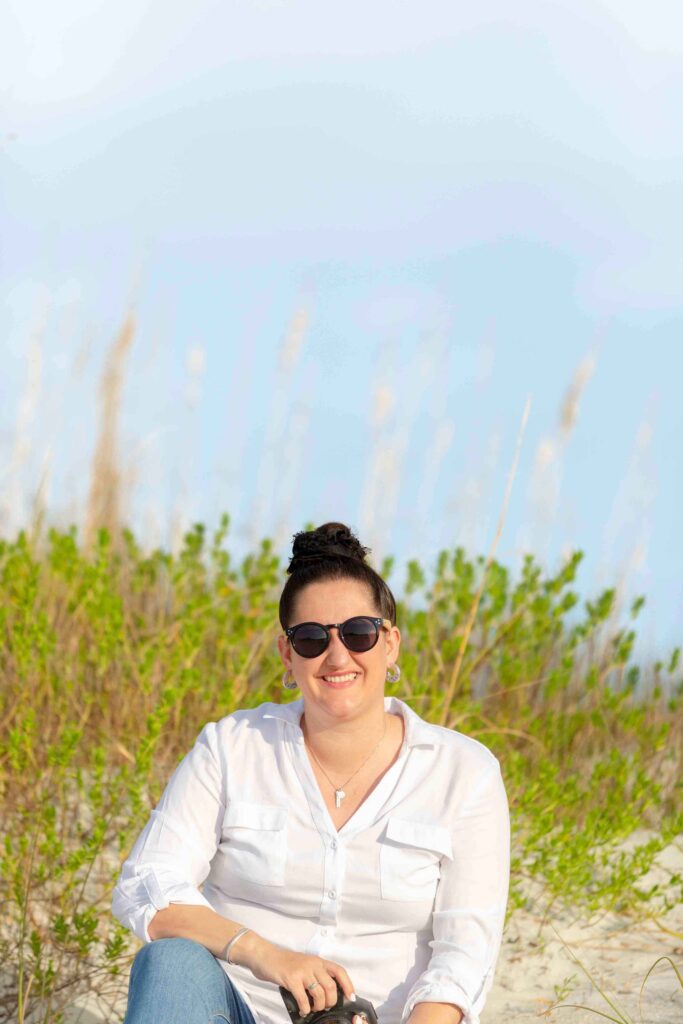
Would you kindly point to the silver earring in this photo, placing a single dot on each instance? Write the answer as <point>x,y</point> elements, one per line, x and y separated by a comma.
<point>288,682</point>
<point>393,674</point>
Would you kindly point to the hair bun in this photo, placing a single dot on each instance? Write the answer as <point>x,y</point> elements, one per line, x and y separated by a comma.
<point>331,540</point>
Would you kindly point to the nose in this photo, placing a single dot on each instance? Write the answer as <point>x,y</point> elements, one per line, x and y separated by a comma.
<point>336,653</point>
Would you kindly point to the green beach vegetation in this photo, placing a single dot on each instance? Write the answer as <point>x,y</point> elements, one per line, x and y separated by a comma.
<point>113,659</point>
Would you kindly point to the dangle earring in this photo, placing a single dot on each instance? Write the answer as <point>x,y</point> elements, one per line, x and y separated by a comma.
<point>393,673</point>
<point>288,681</point>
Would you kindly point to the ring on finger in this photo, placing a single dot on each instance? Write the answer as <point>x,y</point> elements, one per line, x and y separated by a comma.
<point>314,984</point>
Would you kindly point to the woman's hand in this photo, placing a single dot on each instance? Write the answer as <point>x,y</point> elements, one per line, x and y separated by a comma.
<point>295,972</point>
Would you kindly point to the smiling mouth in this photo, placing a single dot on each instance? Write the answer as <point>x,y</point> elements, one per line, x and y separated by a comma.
<point>344,679</point>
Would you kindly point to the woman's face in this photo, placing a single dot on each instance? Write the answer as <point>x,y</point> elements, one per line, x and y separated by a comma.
<point>336,601</point>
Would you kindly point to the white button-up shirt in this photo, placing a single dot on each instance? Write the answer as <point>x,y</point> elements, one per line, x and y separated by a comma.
<point>409,895</point>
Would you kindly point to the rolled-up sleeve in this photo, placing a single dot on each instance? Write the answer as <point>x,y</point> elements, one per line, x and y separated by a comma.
<point>470,904</point>
<point>172,855</point>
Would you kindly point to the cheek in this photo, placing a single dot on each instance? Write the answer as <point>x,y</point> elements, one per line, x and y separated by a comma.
<point>377,666</point>
<point>309,669</point>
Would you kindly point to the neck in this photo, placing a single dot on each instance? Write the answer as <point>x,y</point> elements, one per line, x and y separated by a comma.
<point>339,746</point>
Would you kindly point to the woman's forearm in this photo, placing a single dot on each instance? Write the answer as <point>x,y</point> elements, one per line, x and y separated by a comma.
<point>435,1013</point>
<point>181,920</point>
<point>266,960</point>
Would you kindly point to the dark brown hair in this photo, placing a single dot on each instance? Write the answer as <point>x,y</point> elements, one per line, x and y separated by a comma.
<point>332,552</point>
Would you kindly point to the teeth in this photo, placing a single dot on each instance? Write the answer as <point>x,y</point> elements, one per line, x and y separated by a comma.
<point>340,679</point>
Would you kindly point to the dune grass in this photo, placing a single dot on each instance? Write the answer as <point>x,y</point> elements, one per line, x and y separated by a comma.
<point>612,1009</point>
<point>114,658</point>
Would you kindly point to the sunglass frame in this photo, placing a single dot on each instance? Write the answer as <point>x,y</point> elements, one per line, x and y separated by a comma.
<point>377,622</point>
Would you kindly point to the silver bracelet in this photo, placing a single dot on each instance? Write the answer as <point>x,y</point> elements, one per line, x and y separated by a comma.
<point>233,940</point>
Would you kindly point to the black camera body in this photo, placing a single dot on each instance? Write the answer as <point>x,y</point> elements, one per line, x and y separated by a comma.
<point>342,1012</point>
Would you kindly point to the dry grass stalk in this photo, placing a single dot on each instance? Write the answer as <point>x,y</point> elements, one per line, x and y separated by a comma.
<point>546,478</point>
<point>104,501</point>
<point>14,503</point>
<point>450,691</point>
<point>442,439</point>
<point>392,439</point>
<point>270,465</point>
<point>383,403</point>
<point>572,399</point>
<point>293,453</point>
<point>290,350</point>
<point>40,501</point>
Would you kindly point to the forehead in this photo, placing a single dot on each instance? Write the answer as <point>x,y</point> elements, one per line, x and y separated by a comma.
<point>333,601</point>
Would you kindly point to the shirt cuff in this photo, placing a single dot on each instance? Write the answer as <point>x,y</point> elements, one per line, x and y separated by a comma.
<point>450,993</point>
<point>137,899</point>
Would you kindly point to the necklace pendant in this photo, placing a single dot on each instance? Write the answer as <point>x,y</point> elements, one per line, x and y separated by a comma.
<point>339,795</point>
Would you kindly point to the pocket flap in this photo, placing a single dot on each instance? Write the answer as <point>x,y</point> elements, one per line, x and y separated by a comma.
<point>417,833</point>
<point>248,815</point>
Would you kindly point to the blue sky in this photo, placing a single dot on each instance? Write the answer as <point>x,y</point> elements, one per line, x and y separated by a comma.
<point>356,238</point>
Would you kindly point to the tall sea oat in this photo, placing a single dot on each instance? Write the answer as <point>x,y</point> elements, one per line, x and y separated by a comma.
<point>445,717</point>
<point>13,516</point>
<point>546,478</point>
<point>104,500</point>
<point>270,464</point>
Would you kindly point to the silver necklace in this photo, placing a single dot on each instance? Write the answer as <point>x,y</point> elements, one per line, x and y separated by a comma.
<point>339,793</point>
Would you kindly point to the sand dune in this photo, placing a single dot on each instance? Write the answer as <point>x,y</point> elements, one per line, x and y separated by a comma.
<point>615,950</point>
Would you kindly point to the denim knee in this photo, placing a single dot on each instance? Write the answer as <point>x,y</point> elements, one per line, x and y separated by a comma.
<point>173,952</point>
<point>177,962</point>
<point>179,981</point>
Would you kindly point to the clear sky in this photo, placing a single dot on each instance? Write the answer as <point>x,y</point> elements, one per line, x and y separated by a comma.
<point>356,237</point>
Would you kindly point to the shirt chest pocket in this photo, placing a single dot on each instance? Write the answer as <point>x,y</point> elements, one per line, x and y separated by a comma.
<point>254,841</point>
<point>410,859</point>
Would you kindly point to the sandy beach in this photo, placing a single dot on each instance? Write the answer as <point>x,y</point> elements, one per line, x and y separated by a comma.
<point>616,952</point>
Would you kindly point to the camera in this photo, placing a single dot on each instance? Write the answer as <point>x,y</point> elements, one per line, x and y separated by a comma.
<point>342,1012</point>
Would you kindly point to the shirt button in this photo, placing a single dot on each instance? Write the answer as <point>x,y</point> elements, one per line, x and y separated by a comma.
<point>334,844</point>
<point>332,894</point>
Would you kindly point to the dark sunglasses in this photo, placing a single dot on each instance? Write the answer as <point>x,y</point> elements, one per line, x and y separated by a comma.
<point>358,634</point>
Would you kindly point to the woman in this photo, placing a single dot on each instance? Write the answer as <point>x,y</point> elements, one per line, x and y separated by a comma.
<point>340,838</point>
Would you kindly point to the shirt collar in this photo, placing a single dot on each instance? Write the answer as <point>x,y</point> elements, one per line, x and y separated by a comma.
<point>419,733</point>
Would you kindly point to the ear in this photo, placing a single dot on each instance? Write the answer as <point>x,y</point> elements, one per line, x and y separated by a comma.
<point>393,643</point>
<point>285,649</point>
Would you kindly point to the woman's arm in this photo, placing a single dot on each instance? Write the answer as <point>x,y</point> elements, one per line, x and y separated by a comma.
<point>157,895</point>
<point>435,1013</point>
<point>469,910</point>
<point>201,924</point>
<point>172,855</point>
<point>264,959</point>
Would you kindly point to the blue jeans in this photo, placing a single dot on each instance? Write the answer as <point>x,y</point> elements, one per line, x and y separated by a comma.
<point>179,981</point>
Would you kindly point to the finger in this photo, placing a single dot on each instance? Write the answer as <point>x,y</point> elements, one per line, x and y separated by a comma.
<point>302,997</point>
<point>338,972</point>
<point>318,995</point>
<point>329,989</point>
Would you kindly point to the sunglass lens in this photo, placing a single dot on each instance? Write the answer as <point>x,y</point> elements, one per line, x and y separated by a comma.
<point>360,634</point>
<point>309,640</point>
